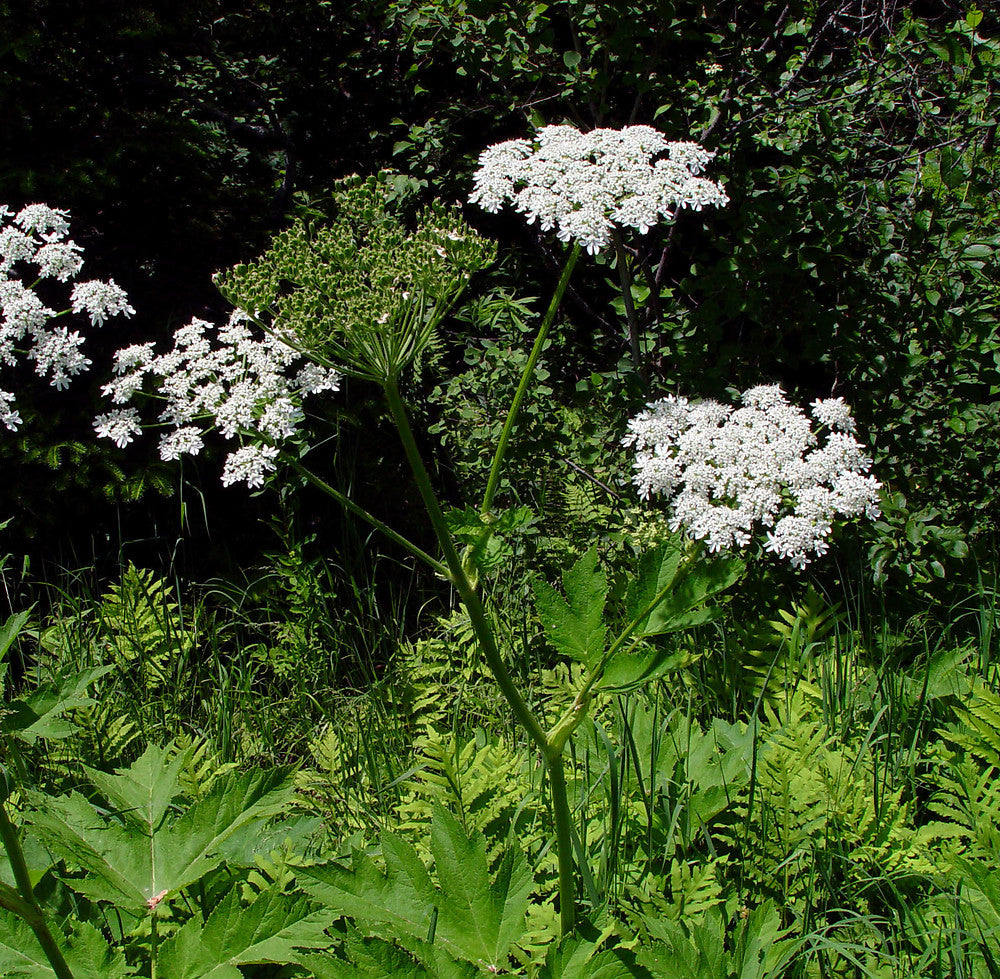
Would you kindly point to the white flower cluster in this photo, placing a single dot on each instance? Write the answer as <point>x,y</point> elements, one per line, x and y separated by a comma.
<point>726,470</point>
<point>36,235</point>
<point>584,183</point>
<point>234,381</point>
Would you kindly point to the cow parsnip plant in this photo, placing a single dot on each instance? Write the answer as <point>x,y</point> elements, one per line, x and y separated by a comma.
<point>364,298</point>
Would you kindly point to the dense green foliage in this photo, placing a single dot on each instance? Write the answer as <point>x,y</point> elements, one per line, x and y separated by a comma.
<point>283,751</point>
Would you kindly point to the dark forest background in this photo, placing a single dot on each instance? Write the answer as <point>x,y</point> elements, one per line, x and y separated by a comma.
<point>857,141</point>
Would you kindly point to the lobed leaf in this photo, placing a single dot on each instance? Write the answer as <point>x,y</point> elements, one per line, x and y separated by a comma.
<point>469,916</point>
<point>39,714</point>
<point>86,952</point>
<point>575,624</point>
<point>273,929</point>
<point>144,854</point>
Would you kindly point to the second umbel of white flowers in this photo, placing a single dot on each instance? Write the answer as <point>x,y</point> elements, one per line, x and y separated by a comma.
<point>726,471</point>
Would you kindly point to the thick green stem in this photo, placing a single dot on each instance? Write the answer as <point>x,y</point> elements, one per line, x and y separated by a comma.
<point>522,388</point>
<point>359,511</point>
<point>626,280</point>
<point>32,912</point>
<point>457,575</point>
<point>564,841</point>
<point>154,944</point>
<point>551,747</point>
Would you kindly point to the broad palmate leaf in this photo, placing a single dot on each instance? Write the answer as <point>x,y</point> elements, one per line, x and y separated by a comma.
<point>87,953</point>
<point>575,624</point>
<point>146,847</point>
<point>473,918</point>
<point>275,928</point>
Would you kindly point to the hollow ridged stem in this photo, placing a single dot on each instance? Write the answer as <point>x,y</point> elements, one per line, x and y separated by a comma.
<point>30,910</point>
<point>529,369</point>
<point>552,749</point>
<point>456,573</point>
<point>154,945</point>
<point>564,841</point>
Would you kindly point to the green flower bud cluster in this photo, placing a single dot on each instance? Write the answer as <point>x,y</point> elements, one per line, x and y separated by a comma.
<point>366,293</point>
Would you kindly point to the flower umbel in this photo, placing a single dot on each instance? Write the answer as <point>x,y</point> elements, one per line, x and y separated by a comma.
<point>725,470</point>
<point>36,236</point>
<point>235,379</point>
<point>367,291</point>
<point>583,184</point>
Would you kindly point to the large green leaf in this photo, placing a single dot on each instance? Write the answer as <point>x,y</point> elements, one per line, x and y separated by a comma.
<point>661,600</point>
<point>147,851</point>
<point>39,714</point>
<point>371,958</point>
<point>578,958</point>
<point>761,948</point>
<point>403,898</point>
<point>470,916</point>
<point>273,929</point>
<point>484,919</point>
<point>575,624</point>
<point>656,572</point>
<point>86,952</point>
<point>631,670</point>
<point>142,792</point>
<point>685,592</point>
<point>672,953</point>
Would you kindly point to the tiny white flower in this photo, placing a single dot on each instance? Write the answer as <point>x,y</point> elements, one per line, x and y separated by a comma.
<point>312,379</point>
<point>232,378</point>
<point>833,413</point>
<point>59,260</point>
<point>100,300</point>
<point>119,425</point>
<point>58,351</point>
<point>8,416</point>
<point>249,464</point>
<point>36,235</point>
<point>15,246</point>
<point>43,219</point>
<point>138,356</point>
<point>279,419</point>
<point>185,440</point>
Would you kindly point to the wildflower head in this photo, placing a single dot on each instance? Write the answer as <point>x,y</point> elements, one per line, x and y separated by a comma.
<point>727,471</point>
<point>243,381</point>
<point>362,296</point>
<point>584,184</point>
<point>34,246</point>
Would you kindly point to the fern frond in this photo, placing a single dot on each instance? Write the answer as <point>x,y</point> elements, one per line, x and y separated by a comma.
<point>202,767</point>
<point>967,800</point>
<point>817,823</point>
<point>483,786</point>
